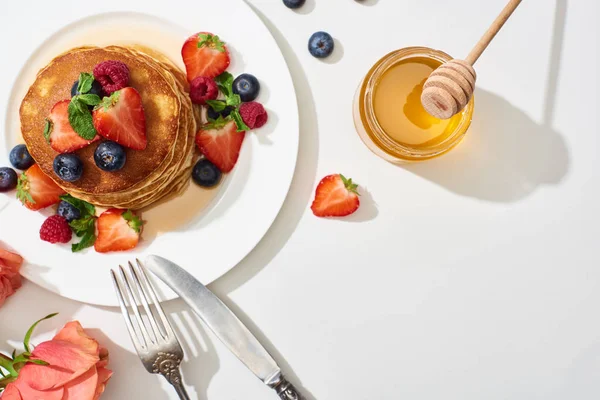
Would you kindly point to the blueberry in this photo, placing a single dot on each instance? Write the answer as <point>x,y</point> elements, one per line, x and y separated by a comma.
<point>320,44</point>
<point>293,3</point>
<point>96,89</point>
<point>8,179</point>
<point>247,86</point>
<point>206,174</point>
<point>110,156</point>
<point>212,114</point>
<point>20,157</point>
<point>68,211</point>
<point>68,167</point>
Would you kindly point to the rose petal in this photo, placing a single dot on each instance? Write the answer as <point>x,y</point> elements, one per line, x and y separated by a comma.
<point>29,393</point>
<point>6,289</point>
<point>82,388</point>
<point>12,260</point>
<point>103,377</point>
<point>103,354</point>
<point>66,360</point>
<point>73,333</point>
<point>11,393</point>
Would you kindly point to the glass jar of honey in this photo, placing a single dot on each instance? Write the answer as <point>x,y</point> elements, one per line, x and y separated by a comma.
<point>388,114</point>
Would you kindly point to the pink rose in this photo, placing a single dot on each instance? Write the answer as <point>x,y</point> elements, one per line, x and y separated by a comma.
<point>76,371</point>
<point>10,280</point>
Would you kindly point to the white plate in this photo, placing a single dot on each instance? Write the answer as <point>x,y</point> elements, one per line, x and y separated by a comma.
<point>206,233</point>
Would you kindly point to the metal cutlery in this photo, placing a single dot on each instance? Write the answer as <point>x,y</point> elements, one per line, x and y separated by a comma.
<point>225,325</point>
<point>153,338</point>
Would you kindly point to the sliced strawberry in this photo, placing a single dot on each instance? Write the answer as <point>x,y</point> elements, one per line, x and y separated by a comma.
<point>59,132</point>
<point>204,54</point>
<point>36,190</point>
<point>336,197</point>
<point>220,142</point>
<point>121,118</point>
<point>118,230</point>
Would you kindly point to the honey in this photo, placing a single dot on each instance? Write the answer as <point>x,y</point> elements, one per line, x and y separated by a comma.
<point>388,113</point>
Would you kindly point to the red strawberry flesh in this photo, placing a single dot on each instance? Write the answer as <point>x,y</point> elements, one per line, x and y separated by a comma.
<point>221,144</point>
<point>121,118</point>
<point>115,232</point>
<point>36,190</point>
<point>63,138</point>
<point>204,54</point>
<point>336,196</point>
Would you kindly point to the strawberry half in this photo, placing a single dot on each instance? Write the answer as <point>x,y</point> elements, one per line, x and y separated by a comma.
<point>121,118</point>
<point>60,134</point>
<point>204,54</point>
<point>118,230</point>
<point>36,190</point>
<point>220,142</point>
<point>336,197</point>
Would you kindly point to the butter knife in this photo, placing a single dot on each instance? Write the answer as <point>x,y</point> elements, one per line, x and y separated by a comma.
<point>225,325</point>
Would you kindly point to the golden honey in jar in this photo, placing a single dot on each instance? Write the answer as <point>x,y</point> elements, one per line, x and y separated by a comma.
<point>388,113</point>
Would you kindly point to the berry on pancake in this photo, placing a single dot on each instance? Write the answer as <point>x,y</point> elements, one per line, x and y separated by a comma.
<point>59,132</point>
<point>121,118</point>
<point>112,75</point>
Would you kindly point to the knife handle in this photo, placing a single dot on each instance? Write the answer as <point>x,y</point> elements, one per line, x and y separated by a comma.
<point>286,390</point>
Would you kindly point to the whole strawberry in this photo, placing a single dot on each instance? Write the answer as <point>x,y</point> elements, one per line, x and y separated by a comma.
<point>56,229</point>
<point>336,196</point>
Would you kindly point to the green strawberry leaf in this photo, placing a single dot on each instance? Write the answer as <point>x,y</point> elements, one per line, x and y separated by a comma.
<point>212,41</point>
<point>217,123</point>
<point>133,221</point>
<point>30,331</point>
<point>85,82</point>
<point>23,189</point>
<point>239,121</point>
<point>48,129</point>
<point>351,186</point>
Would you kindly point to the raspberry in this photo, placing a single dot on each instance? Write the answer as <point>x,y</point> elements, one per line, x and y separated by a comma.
<point>112,75</point>
<point>253,114</point>
<point>202,89</point>
<point>55,230</point>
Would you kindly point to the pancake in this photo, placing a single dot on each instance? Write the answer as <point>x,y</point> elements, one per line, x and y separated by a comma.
<point>163,168</point>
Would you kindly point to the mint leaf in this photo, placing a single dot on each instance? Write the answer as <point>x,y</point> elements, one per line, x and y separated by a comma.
<point>225,83</point>
<point>89,99</point>
<point>87,240</point>
<point>133,221</point>
<point>48,130</point>
<point>241,125</point>
<point>85,82</point>
<point>81,119</point>
<point>233,100</point>
<point>83,225</point>
<point>217,105</point>
<point>84,207</point>
<point>30,331</point>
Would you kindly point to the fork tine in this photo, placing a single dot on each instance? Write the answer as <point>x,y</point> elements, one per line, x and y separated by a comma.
<point>152,292</point>
<point>125,312</point>
<point>135,307</point>
<point>144,299</point>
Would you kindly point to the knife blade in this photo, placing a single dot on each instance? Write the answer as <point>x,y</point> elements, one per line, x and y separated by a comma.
<point>224,324</point>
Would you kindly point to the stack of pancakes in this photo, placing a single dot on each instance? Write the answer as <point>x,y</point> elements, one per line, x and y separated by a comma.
<point>161,169</point>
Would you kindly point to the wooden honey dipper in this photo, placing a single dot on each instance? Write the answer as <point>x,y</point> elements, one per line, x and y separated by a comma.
<point>450,87</point>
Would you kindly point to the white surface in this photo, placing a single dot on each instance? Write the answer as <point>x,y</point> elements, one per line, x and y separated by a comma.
<point>476,276</point>
<point>208,242</point>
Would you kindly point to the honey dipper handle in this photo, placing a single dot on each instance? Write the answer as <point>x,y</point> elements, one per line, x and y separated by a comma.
<point>492,31</point>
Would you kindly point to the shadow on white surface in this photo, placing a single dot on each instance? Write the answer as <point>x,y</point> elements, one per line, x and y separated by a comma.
<point>337,55</point>
<point>368,3</point>
<point>506,155</point>
<point>307,8</point>
<point>368,209</point>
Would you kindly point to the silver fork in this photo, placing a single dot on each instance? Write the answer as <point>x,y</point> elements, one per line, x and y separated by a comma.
<point>158,347</point>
